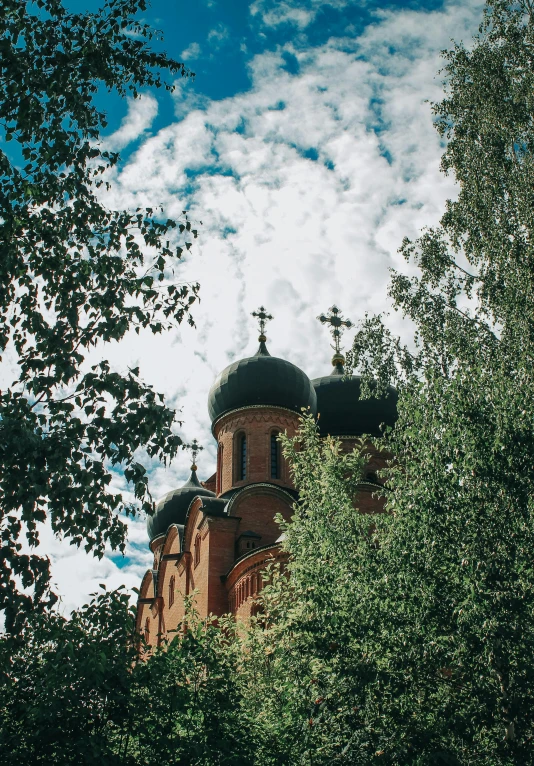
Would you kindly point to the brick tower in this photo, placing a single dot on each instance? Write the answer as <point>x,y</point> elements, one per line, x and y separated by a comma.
<point>217,537</point>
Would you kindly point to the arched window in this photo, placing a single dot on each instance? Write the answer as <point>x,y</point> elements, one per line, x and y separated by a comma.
<point>372,477</point>
<point>275,456</point>
<point>171,591</point>
<point>242,458</point>
<point>197,550</point>
<point>147,630</point>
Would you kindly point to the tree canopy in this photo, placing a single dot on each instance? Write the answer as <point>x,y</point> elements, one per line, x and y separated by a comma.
<point>74,275</point>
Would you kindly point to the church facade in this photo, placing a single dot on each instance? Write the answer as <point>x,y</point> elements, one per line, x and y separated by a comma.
<point>216,537</point>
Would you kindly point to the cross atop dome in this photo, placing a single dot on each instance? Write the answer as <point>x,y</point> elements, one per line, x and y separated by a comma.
<point>263,318</point>
<point>195,448</point>
<point>334,318</point>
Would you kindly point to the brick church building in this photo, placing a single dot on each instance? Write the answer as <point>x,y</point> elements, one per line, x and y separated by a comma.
<point>216,537</point>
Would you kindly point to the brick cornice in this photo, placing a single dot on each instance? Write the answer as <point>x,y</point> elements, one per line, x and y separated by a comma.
<point>254,413</point>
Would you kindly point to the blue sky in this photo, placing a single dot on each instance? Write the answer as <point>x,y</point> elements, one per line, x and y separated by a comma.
<point>305,145</point>
<point>222,36</point>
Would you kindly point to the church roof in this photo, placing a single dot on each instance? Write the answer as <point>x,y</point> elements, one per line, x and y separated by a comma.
<point>261,379</point>
<point>342,411</point>
<point>172,509</point>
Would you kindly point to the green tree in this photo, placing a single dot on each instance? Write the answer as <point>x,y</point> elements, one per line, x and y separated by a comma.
<point>66,686</point>
<point>74,275</point>
<point>74,691</point>
<point>309,668</point>
<point>187,702</point>
<point>456,562</point>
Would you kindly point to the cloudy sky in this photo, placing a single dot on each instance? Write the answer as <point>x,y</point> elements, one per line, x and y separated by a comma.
<point>305,146</point>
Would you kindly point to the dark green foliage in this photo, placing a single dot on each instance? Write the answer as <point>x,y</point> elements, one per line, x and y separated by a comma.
<point>66,685</point>
<point>188,699</point>
<point>73,692</point>
<point>74,274</point>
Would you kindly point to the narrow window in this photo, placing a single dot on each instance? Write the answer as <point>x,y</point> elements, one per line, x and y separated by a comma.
<point>171,591</point>
<point>219,469</point>
<point>197,550</point>
<point>275,457</point>
<point>242,457</point>
<point>147,630</point>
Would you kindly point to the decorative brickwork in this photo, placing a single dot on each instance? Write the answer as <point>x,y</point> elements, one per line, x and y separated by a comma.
<point>247,578</point>
<point>257,424</point>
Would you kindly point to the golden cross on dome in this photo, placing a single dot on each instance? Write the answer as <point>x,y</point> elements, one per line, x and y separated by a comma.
<point>195,448</point>
<point>334,318</point>
<point>263,317</point>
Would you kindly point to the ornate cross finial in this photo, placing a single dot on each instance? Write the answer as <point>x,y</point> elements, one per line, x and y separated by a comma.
<point>195,448</point>
<point>263,317</point>
<point>334,318</point>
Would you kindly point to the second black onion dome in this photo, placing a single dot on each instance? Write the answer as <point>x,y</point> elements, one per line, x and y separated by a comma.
<point>341,410</point>
<point>261,379</point>
<point>172,509</point>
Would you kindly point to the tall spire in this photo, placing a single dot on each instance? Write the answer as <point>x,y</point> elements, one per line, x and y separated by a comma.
<point>334,318</point>
<point>263,317</point>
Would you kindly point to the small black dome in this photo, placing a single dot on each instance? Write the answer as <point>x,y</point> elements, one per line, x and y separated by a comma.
<point>343,413</point>
<point>172,508</point>
<point>261,379</point>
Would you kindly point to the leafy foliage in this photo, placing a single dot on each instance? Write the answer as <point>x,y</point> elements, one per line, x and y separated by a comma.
<point>307,676</point>
<point>188,698</point>
<point>66,685</point>
<point>74,275</point>
<point>457,567</point>
<point>73,691</point>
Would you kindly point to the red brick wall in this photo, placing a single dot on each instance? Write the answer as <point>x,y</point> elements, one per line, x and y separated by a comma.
<point>258,423</point>
<point>246,580</point>
<point>257,509</point>
<point>210,483</point>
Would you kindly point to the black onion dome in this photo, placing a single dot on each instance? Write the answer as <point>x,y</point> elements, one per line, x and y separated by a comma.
<point>343,413</point>
<point>172,508</point>
<point>261,379</point>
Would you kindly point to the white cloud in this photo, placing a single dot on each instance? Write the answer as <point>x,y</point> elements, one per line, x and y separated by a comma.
<point>218,35</point>
<point>306,185</point>
<point>141,114</point>
<point>192,51</point>
<point>301,13</point>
